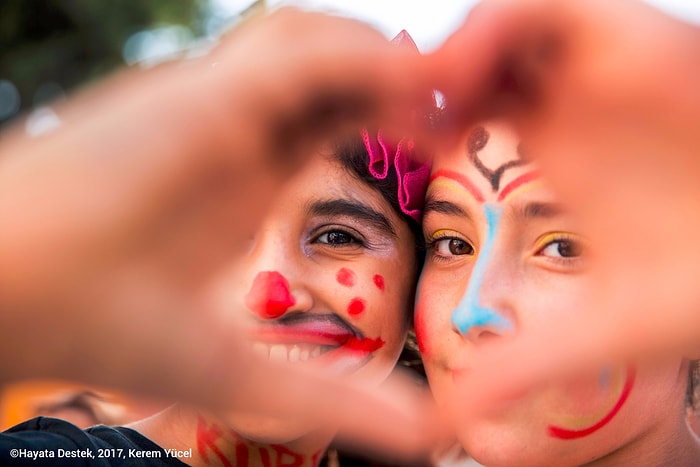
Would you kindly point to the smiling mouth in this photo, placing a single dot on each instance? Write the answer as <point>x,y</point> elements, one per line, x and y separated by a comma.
<point>291,352</point>
<point>303,337</point>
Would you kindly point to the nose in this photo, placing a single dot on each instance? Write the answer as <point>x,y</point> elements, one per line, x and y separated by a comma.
<point>470,318</point>
<point>269,296</point>
<point>277,285</point>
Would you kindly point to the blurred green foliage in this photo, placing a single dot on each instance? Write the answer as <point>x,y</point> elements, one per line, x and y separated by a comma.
<point>69,42</point>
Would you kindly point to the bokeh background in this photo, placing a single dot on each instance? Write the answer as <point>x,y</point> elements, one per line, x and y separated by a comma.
<point>49,47</point>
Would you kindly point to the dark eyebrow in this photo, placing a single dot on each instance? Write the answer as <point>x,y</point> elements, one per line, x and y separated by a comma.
<point>359,211</point>
<point>540,210</point>
<point>443,207</point>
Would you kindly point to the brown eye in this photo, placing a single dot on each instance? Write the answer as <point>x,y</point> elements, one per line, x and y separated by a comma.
<point>569,249</point>
<point>336,238</point>
<point>453,247</point>
<point>563,249</point>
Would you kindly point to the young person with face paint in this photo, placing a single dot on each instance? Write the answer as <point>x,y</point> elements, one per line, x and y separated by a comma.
<point>328,283</point>
<point>504,257</point>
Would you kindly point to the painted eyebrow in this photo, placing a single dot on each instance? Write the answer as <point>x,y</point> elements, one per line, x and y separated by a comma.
<point>354,209</point>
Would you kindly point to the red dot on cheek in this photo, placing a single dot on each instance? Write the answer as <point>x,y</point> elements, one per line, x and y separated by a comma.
<point>356,306</point>
<point>379,281</point>
<point>345,277</point>
<point>269,296</point>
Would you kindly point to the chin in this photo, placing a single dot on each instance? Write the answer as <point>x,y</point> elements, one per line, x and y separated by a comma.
<point>500,446</point>
<point>497,443</point>
<point>269,430</point>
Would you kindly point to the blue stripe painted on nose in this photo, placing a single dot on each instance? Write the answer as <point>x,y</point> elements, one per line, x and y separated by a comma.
<point>469,313</point>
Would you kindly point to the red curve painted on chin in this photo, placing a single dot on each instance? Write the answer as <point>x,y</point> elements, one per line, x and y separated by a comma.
<point>564,433</point>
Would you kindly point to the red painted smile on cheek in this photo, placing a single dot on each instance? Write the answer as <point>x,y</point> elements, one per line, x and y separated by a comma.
<point>565,433</point>
<point>269,296</point>
<point>379,281</point>
<point>345,277</point>
<point>356,307</point>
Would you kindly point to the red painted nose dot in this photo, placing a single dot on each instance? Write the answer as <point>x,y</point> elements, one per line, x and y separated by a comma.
<point>269,296</point>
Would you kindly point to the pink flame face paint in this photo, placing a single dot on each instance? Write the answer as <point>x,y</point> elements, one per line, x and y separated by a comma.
<point>345,277</point>
<point>269,296</point>
<point>379,281</point>
<point>356,306</point>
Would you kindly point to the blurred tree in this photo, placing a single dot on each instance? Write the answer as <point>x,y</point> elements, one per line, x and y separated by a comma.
<point>51,45</point>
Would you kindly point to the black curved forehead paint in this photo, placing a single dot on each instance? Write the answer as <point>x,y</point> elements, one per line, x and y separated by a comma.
<point>478,139</point>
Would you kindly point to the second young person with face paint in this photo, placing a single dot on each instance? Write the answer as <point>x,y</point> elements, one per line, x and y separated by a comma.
<point>504,258</point>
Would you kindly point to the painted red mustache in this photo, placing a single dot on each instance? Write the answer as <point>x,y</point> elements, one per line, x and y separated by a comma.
<point>320,329</point>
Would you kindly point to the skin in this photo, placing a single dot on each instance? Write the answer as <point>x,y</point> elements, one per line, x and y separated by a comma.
<point>150,202</point>
<point>332,242</point>
<point>124,216</point>
<point>88,238</point>
<point>531,268</point>
<point>586,103</point>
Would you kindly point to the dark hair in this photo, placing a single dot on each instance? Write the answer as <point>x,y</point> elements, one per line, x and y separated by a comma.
<point>352,155</point>
<point>693,386</point>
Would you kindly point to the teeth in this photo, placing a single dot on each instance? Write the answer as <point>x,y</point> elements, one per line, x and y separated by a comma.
<point>261,349</point>
<point>294,354</point>
<point>278,353</point>
<point>290,352</point>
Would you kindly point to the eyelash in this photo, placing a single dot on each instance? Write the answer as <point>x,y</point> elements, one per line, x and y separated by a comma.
<point>441,237</point>
<point>550,239</point>
<point>355,238</point>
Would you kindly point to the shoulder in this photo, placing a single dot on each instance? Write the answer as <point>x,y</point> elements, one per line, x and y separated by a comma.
<point>58,442</point>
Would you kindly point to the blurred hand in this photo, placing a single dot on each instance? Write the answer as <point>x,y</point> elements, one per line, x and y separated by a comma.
<point>113,225</point>
<point>606,97</point>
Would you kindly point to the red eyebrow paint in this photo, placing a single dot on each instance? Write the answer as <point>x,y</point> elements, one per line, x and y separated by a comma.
<point>356,306</point>
<point>345,277</point>
<point>379,281</point>
<point>269,296</point>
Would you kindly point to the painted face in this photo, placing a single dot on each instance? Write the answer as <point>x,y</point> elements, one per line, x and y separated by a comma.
<point>329,281</point>
<point>504,257</point>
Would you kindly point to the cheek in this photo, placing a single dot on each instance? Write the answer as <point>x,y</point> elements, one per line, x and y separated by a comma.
<point>345,277</point>
<point>587,406</point>
<point>431,318</point>
<point>360,293</point>
<point>356,307</point>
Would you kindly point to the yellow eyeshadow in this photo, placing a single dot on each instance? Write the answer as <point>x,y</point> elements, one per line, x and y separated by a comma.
<point>555,236</point>
<point>442,233</point>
